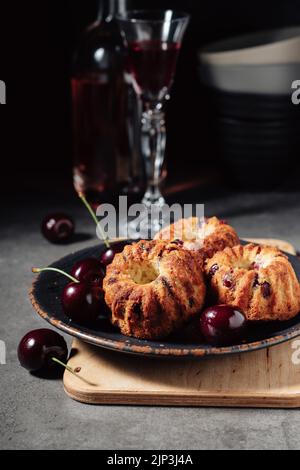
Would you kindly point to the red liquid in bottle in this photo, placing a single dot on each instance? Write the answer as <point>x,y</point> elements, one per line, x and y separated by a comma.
<point>153,64</point>
<point>95,125</point>
<point>104,166</point>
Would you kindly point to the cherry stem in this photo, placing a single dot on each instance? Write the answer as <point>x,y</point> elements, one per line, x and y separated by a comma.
<point>40,270</point>
<point>87,205</point>
<point>69,369</point>
<point>54,359</point>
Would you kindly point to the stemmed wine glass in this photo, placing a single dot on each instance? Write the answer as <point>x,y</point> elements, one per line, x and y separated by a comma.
<point>153,41</point>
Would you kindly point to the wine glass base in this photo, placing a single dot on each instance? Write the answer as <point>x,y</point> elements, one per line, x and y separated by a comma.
<point>150,200</point>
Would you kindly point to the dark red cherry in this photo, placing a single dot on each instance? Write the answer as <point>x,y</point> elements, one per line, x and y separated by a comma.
<point>222,325</point>
<point>89,270</point>
<point>38,347</point>
<point>81,302</point>
<point>58,228</point>
<point>108,255</point>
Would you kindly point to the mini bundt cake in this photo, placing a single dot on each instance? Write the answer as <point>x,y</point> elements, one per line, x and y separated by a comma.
<point>153,288</point>
<point>257,279</point>
<point>206,237</point>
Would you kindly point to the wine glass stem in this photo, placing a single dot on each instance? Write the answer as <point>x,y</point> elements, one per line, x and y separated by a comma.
<point>153,150</point>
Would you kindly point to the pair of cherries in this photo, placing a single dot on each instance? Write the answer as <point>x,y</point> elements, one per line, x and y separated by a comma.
<point>83,298</point>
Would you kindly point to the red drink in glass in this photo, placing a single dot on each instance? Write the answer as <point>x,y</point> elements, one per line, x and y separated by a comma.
<point>152,65</point>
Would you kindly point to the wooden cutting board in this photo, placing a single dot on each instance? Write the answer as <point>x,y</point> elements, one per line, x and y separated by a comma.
<point>265,378</point>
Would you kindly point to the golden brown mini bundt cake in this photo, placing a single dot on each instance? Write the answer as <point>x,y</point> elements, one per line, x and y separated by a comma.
<point>257,279</point>
<point>153,288</point>
<point>207,238</point>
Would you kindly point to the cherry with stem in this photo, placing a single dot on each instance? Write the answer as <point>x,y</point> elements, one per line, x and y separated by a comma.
<point>93,215</point>
<point>70,369</point>
<point>55,270</point>
<point>42,350</point>
<point>108,255</point>
<point>81,301</point>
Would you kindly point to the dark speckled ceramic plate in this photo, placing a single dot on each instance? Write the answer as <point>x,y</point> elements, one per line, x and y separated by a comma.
<point>45,297</point>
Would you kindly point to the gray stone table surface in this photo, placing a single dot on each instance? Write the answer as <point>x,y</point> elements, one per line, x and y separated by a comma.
<point>35,413</point>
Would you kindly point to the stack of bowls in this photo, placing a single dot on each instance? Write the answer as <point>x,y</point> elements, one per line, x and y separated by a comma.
<point>250,79</point>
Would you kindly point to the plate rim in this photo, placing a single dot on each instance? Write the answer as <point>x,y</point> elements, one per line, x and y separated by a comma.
<point>150,350</point>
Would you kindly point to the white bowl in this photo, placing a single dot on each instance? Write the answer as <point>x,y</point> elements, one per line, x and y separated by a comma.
<point>266,79</point>
<point>264,47</point>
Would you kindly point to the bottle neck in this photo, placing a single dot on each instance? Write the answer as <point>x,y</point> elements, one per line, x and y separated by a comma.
<point>108,9</point>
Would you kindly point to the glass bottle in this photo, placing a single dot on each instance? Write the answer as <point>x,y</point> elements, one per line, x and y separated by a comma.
<point>106,162</point>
